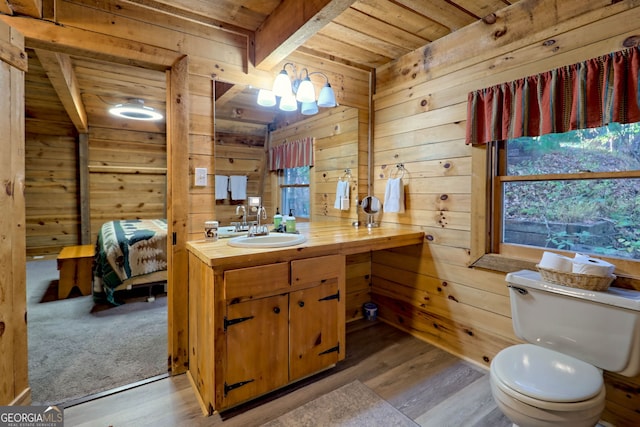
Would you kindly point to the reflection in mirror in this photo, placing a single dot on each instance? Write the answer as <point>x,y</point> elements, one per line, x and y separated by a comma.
<point>243,131</point>
<point>371,205</point>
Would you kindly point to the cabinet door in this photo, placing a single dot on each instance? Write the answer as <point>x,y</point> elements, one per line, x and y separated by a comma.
<point>257,348</point>
<point>313,329</point>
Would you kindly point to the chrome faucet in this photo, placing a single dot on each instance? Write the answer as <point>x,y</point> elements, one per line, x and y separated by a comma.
<point>257,229</point>
<point>241,226</point>
<point>241,208</point>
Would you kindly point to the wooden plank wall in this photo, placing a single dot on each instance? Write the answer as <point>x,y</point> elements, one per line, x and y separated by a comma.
<point>240,150</point>
<point>127,175</point>
<point>14,378</point>
<point>420,112</point>
<point>51,153</point>
<point>335,132</point>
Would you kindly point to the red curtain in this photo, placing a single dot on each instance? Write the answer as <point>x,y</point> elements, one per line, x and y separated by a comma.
<point>292,154</point>
<point>589,94</point>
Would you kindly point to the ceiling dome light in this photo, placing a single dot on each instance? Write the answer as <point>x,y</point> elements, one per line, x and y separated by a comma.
<point>135,110</point>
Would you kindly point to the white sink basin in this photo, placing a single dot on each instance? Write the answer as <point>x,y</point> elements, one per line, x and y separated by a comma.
<point>275,240</point>
<point>229,231</point>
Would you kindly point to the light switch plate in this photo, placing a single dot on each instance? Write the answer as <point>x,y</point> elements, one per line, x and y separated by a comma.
<point>201,177</point>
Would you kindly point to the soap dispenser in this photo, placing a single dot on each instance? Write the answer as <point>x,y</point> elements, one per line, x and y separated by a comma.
<point>277,220</point>
<point>290,224</point>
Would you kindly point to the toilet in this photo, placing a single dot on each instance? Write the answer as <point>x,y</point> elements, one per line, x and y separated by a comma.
<point>571,335</point>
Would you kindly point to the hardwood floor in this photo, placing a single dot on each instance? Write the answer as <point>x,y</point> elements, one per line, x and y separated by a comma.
<point>425,383</point>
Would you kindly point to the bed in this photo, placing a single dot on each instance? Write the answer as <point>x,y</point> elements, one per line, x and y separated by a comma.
<point>129,253</point>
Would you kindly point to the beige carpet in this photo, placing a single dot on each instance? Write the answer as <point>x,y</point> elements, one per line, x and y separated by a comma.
<point>352,405</point>
<point>78,348</point>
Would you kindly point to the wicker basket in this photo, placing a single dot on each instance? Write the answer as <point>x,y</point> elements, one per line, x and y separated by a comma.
<point>581,281</point>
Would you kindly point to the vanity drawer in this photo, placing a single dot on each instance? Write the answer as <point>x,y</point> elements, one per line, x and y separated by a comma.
<point>256,281</point>
<point>316,270</point>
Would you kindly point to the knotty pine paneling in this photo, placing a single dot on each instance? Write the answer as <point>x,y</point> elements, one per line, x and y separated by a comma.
<point>127,175</point>
<point>51,167</point>
<point>420,111</point>
<point>336,149</point>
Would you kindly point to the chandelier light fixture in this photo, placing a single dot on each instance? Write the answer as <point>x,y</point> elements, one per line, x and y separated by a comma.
<point>289,92</point>
<point>136,110</point>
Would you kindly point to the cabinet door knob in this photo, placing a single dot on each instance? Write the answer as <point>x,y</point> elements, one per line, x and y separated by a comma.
<point>301,303</point>
<point>276,310</point>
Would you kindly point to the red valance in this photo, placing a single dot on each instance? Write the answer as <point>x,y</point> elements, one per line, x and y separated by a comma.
<point>589,94</point>
<point>292,154</point>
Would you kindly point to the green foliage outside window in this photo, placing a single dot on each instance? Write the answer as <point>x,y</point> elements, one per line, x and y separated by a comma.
<point>295,192</point>
<point>581,189</point>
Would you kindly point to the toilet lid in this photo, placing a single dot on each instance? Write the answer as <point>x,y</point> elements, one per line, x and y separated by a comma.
<point>546,375</point>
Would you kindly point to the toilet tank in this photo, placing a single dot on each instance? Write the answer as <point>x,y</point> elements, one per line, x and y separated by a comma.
<point>600,328</point>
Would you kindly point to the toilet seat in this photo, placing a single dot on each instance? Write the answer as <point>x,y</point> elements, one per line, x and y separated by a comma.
<point>545,377</point>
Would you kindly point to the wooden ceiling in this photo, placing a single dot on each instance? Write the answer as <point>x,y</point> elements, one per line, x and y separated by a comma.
<point>364,34</point>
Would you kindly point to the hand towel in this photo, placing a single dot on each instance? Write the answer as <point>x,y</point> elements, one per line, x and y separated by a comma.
<point>238,186</point>
<point>394,196</point>
<point>222,187</point>
<point>342,195</point>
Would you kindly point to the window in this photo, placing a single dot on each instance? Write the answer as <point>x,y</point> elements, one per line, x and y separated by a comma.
<point>577,191</point>
<point>294,191</point>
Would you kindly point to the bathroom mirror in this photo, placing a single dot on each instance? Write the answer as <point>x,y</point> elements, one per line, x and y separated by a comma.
<point>371,206</point>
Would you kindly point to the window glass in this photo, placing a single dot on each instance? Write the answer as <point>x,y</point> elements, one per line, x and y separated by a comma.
<point>578,191</point>
<point>295,194</point>
<point>612,148</point>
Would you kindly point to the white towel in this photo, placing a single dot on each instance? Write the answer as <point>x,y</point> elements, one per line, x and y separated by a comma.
<point>238,186</point>
<point>222,187</point>
<point>394,196</point>
<point>342,195</point>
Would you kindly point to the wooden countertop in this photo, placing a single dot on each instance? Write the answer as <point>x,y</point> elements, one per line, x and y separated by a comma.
<point>323,238</point>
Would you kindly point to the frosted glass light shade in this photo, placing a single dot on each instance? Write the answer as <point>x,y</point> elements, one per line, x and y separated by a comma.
<point>327,98</point>
<point>288,102</point>
<point>266,98</point>
<point>135,110</point>
<point>282,84</point>
<point>306,91</point>
<point>309,108</point>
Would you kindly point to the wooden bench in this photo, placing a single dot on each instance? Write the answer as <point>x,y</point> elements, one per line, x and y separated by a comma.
<point>75,264</point>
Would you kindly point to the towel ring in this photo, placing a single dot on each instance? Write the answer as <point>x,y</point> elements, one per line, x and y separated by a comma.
<point>400,169</point>
<point>347,175</point>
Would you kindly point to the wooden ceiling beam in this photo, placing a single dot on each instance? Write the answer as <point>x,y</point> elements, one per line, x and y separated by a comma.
<point>230,92</point>
<point>26,7</point>
<point>173,9</point>
<point>46,35</point>
<point>63,79</point>
<point>291,24</point>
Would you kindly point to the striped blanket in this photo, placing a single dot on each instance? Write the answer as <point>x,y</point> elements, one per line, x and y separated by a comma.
<point>127,249</point>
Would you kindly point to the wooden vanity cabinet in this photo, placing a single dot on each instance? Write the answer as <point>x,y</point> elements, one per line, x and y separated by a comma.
<point>256,325</point>
<point>282,322</point>
<point>257,348</point>
<point>316,315</point>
